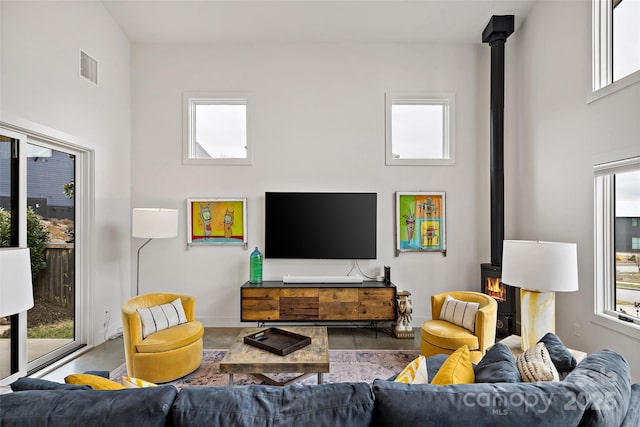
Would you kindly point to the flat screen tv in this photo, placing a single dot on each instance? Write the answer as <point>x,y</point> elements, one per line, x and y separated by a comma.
<point>320,225</point>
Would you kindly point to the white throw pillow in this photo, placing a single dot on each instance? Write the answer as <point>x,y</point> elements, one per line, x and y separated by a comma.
<point>161,317</point>
<point>460,313</point>
<point>535,364</point>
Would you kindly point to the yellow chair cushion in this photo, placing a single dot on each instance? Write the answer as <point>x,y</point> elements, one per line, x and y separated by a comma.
<point>457,369</point>
<point>447,335</point>
<point>173,338</point>
<point>95,381</point>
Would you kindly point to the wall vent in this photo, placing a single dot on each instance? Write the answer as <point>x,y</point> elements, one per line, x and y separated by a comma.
<point>88,67</point>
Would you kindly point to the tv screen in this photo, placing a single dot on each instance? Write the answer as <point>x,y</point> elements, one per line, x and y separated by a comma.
<point>320,225</point>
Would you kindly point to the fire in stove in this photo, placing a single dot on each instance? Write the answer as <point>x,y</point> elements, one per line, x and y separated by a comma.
<point>496,288</point>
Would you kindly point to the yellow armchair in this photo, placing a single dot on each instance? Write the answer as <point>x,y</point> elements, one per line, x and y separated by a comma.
<point>439,336</point>
<point>163,355</point>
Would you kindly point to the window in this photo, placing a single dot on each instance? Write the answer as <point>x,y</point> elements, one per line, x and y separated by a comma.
<point>626,38</point>
<point>216,128</point>
<point>420,129</point>
<point>616,45</point>
<point>617,263</point>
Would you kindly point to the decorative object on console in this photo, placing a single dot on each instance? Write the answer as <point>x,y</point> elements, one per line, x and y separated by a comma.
<point>255,266</point>
<point>404,306</point>
<point>540,269</point>
<point>217,221</point>
<point>16,289</point>
<point>420,222</point>
<point>152,223</point>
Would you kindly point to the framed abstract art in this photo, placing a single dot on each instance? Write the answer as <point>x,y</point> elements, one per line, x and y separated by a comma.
<point>216,221</point>
<point>420,222</point>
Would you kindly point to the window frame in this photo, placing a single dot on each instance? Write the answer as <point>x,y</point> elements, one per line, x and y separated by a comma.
<point>604,246</point>
<point>602,53</point>
<point>447,100</point>
<point>190,100</point>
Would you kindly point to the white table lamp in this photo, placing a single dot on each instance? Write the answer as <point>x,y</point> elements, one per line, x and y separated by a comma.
<point>539,269</point>
<point>152,223</point>
<point>16,288</point>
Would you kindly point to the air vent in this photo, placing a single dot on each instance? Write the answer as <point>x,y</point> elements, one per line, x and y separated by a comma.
<point>88,68</point>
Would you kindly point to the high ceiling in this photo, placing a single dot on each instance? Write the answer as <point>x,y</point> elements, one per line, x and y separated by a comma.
<point>309,21</point>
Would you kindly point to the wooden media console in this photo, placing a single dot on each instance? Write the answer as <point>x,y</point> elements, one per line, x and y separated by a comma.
<point>275,301</point>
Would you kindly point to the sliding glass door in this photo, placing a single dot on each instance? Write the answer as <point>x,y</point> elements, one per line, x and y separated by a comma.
<point>38,179</point>
<point>51,323</point>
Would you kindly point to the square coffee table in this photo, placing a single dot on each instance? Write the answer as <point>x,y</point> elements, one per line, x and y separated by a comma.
<point>242,358</point>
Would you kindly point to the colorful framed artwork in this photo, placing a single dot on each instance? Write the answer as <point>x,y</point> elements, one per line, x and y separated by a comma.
<point>420,222</point>
<point>216,222</point>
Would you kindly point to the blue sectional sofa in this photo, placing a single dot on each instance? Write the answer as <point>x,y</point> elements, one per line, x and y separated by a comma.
<point>598,392</point>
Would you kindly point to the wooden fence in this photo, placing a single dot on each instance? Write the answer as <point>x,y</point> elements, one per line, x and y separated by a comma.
<point>55,283</point>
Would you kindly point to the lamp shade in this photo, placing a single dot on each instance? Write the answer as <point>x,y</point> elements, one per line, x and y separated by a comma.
<point>154,223</point>
<point>540,266</point>
<point>16,289</point>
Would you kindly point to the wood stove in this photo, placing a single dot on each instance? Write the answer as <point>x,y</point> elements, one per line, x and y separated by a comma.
<point>507,297</point>
<point>499,28</point>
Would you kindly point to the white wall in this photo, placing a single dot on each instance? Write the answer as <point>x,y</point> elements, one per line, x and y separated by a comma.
<point>41,90</point>
<point>318,126</point>
<point>557,140</point>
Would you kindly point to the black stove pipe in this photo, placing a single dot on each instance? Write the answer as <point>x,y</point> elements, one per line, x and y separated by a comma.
<point>499,28</point>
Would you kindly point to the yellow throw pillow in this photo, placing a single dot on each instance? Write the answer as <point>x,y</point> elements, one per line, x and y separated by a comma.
<point>131,382</point>
<point>457,369</point>
<point>96,382</point>
<point>415,372</point>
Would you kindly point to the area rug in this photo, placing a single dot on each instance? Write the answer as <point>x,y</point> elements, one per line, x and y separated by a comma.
<point>345,366</point>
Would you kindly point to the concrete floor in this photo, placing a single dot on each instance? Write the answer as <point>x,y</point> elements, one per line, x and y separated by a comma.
<point>110,354</point>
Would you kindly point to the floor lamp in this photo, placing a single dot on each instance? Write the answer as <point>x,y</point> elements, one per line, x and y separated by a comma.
<point>152,223</point>
<point>539,269</point>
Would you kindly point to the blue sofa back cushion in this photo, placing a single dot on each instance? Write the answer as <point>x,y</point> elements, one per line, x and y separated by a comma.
<point>498,405</point>
<point>497,366</point>
<point>341,404</point>
<point>24,383</point>
<point>596,393</point>
<point>64,408</point>
<point>604,381</point>
<point>560,355</point>
<point>633,414</point>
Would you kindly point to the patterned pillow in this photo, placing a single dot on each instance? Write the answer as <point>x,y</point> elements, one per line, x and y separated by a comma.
<point>460,313</point>
<point>131,382</point>
<point>415,372</point>
<point>161,317</point>
<point>535,364</point>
